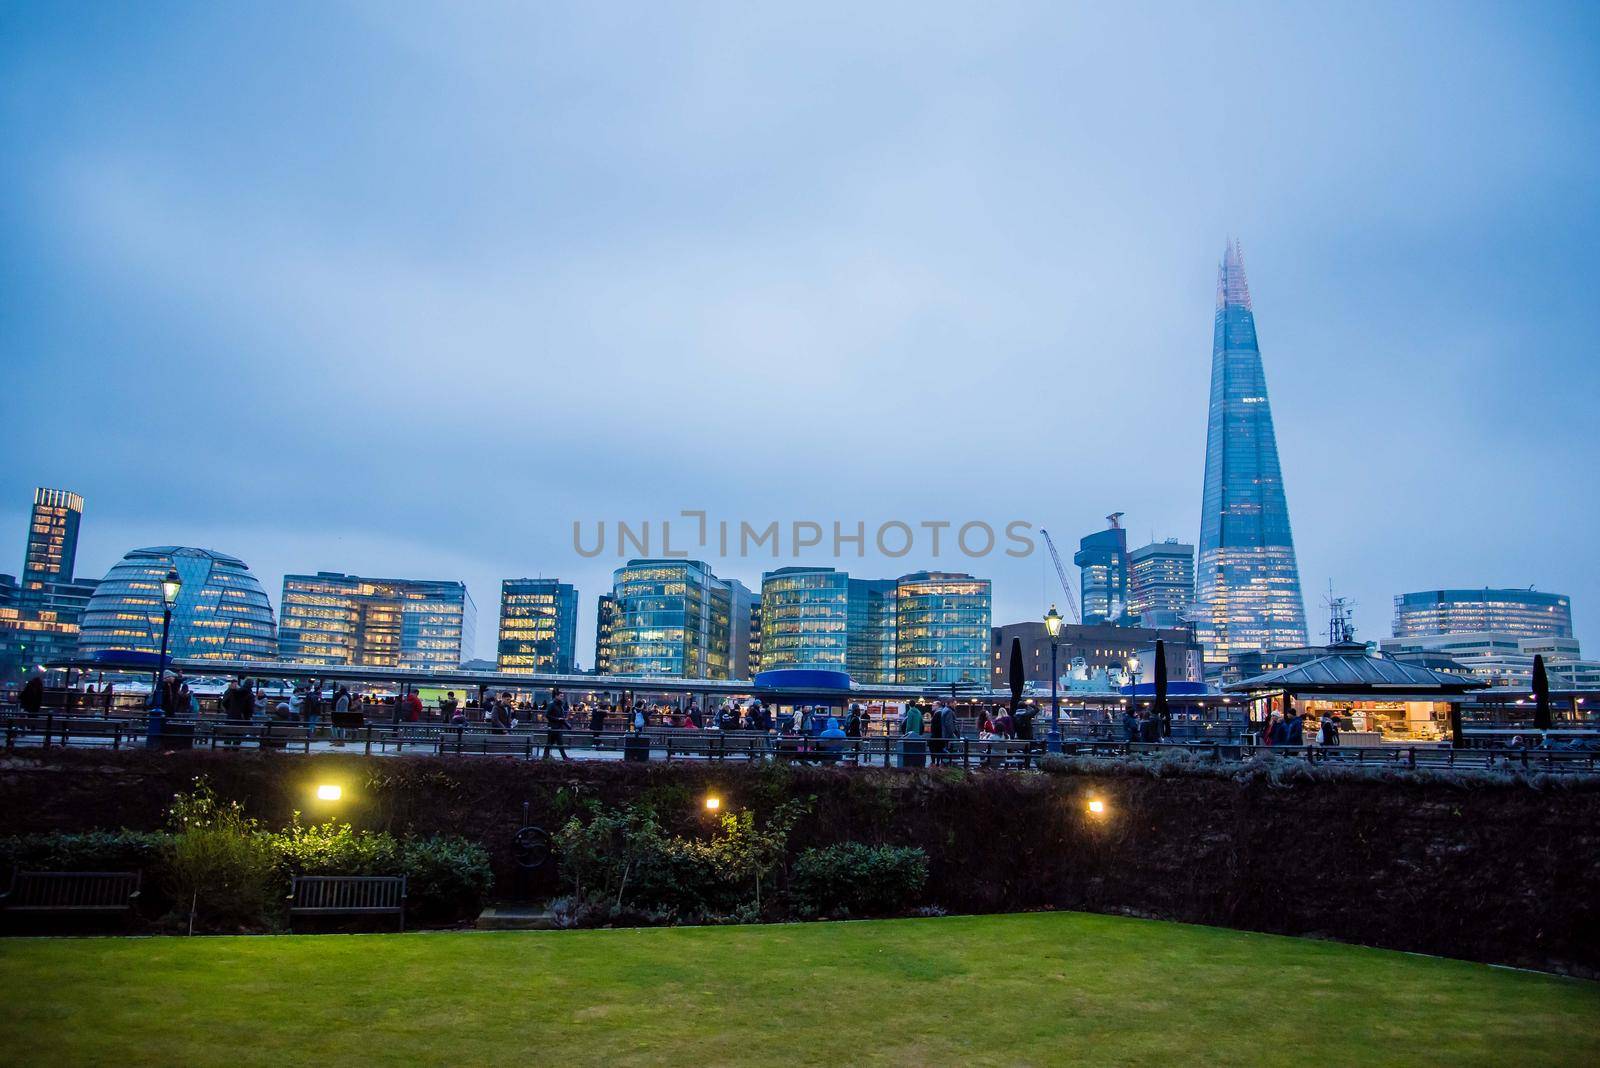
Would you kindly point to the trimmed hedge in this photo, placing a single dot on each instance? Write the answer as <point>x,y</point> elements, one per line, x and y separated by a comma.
<point>856,879</point>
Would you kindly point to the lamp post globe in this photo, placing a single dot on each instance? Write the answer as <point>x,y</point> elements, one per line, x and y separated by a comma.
<point>1052,626</point>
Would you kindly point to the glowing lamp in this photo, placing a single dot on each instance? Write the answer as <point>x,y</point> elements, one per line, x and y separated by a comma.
<point>329,792</point>
<point>170,587</point>
<point>713,804</point>
<point>1097,807</point>
<point>1052,623</point>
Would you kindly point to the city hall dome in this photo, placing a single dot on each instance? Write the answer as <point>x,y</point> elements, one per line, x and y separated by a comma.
<point>221,612</point>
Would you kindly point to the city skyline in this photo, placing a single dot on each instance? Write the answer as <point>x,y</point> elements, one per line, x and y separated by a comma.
<point>406,333</point>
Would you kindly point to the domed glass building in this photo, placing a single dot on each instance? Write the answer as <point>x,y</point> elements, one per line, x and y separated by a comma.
<point>222,613</point>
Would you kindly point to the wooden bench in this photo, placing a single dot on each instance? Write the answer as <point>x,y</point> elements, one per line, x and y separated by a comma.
<point>72,891</point>
<point>811,750</point>
<point>348,895</point>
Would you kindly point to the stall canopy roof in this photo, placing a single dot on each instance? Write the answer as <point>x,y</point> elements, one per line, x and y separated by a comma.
<point>1349,668</point>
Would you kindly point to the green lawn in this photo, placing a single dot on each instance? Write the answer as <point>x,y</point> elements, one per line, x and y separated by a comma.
<point>1042,988</point>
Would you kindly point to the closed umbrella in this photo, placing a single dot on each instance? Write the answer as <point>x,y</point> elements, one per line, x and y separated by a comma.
<point>1541,694</point>
<point>1017,678</point>
<point>1162,713</point>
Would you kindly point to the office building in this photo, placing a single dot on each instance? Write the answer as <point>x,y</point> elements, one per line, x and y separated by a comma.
<point>873,631</point>
<point>40,615</point>
<point>805,619</point>
<point>1102,560</point>
<point>1088,649</point>
<point>820,618</point>
<point>942,623</point>
<point>538,627</point>
<point>755,636</point>
<point>221,613</point>
<point>336,619</point>
<point>1501,658</point>
<point>1247,584</point>
<point>1524,613</point>
<point>52,537</point>
<point>1161,583</point>
<point>743,604</point>
<point>605,621</point>
<point>672,619</point>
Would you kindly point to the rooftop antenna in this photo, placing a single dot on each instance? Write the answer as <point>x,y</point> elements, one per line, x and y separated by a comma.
<point>1340,627</point>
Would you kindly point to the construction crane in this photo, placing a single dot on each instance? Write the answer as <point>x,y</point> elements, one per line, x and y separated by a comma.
<point>1061,573</point>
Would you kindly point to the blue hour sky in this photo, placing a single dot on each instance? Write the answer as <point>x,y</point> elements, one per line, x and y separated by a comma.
<point>405,290</point>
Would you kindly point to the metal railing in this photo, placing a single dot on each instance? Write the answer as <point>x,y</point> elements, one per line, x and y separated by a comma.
<point>530,742</point>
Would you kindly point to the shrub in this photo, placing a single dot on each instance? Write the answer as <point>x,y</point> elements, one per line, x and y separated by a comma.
<point>858,879</point>
<point>335,849</point>
<point>625,858</point>
<point>216,865</point>
<point>87,851</point>
<point>446,877</point>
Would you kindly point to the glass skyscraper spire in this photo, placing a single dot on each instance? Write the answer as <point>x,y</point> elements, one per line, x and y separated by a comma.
<point>1247,585</point>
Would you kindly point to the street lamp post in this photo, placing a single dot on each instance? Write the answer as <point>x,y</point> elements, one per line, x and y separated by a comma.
<point>170,586</point>
<point>1133,673</point>
<point>1052,625</point>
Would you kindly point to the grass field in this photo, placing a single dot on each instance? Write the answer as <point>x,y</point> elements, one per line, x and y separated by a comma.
<point>1042,988</point>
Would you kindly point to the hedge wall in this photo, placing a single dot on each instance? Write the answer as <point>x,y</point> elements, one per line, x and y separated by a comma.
<point>1481,867</point>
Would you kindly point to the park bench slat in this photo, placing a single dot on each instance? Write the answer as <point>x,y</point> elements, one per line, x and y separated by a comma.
<point>348,895</point>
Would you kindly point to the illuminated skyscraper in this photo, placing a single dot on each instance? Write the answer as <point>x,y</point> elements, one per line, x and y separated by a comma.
<point>538,626</point>
<point>39,617</point>
<point>671,618</point>
<point>332,618</point>
<point>1247,594</point>
<point>942,623</point>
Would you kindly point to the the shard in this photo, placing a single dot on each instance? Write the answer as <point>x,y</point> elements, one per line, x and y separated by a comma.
<point>1247,584</point>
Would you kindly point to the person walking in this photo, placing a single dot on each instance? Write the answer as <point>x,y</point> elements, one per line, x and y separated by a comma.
<point>1294,729</point>
<point>555,721</point>
<point>1022,722</point>
<point>597,719</point>
<point>1328,730</point>
<point>341,708</point>
<point>949,728</point>
<point>912,723</point>
<point>311,705</point>
<point>852,722</point>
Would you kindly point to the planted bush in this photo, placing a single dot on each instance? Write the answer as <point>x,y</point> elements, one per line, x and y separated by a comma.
<point>217,866</point>
<point>857,879</point>
<point>625,859</point>
<point>86,851</point>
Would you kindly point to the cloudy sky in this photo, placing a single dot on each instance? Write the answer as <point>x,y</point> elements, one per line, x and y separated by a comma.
<point>405,290</point>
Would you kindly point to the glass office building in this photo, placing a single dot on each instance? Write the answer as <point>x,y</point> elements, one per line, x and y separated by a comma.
<point>942,628</point>
<point>872,632</point>
<point>605,621</point>
<point>673,618</point>
<point>538,626</point>
<point>805,619</point>
<point>222,613</point>
<point>337,619</point>
<point>1102,560</point>
<point>1247,584</point>
<point>52,537</point>
<point>41,615</point>
<point>1161,583</point>
<point>1522,613</point>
